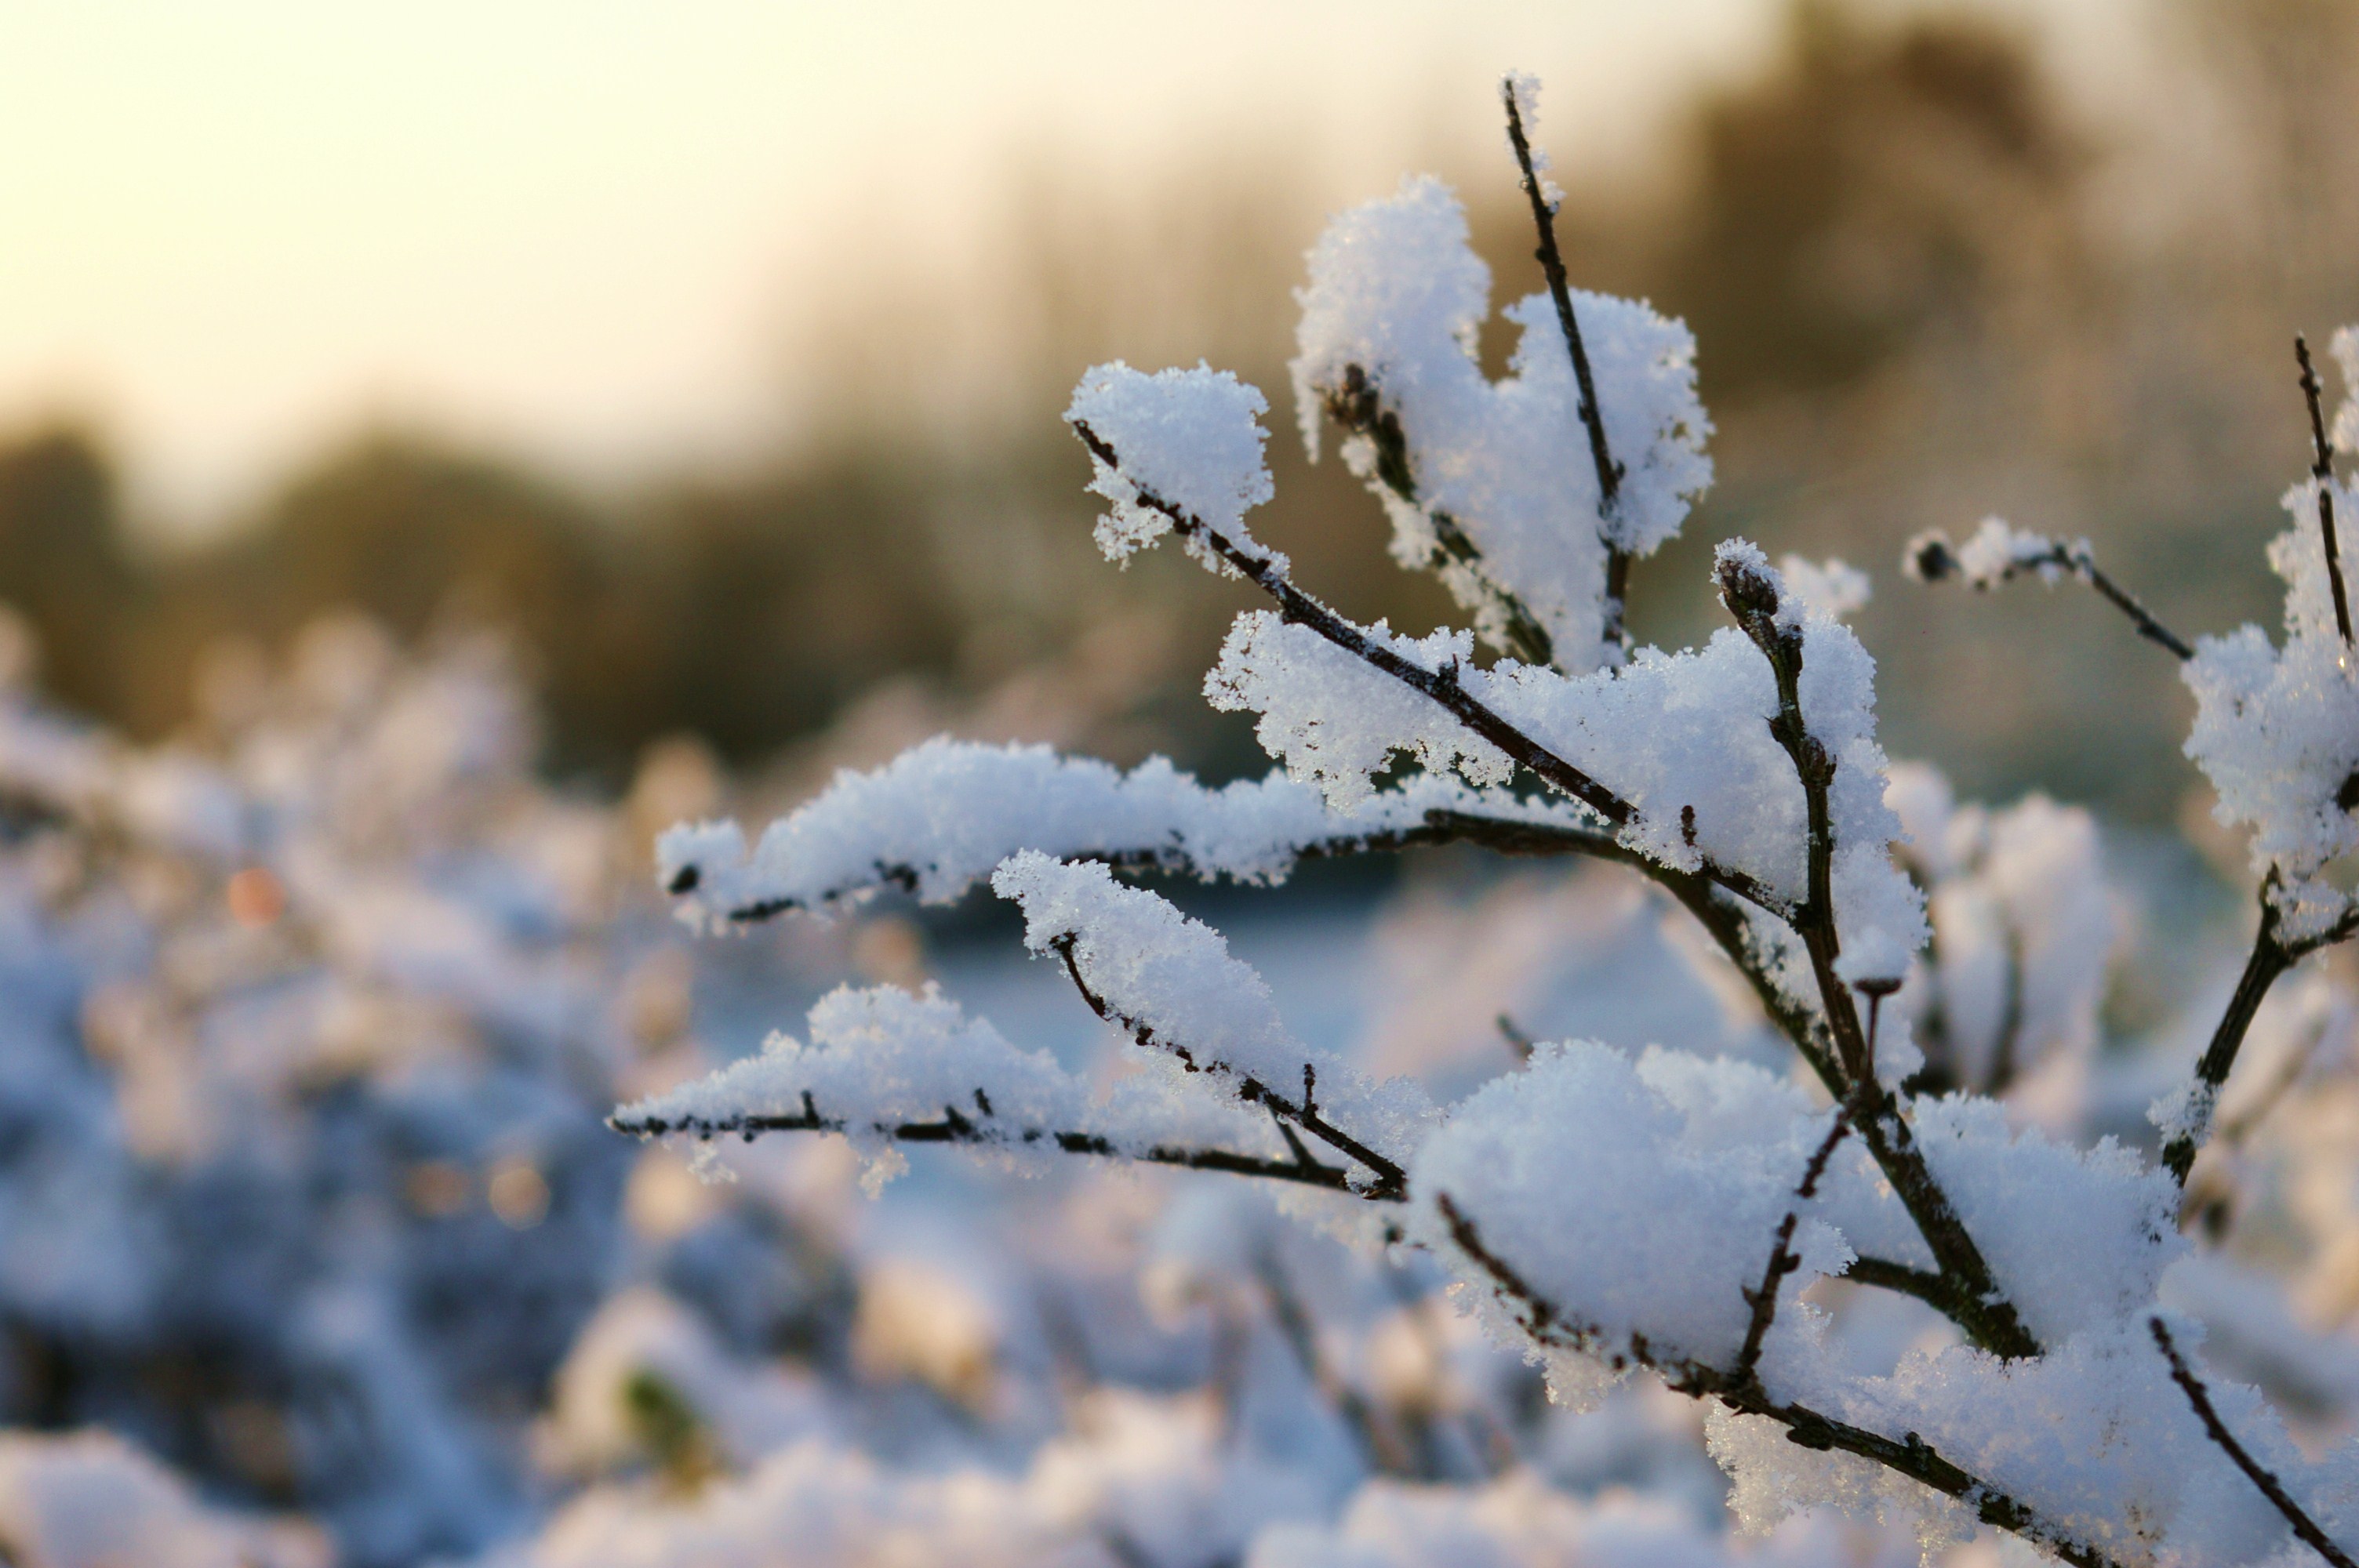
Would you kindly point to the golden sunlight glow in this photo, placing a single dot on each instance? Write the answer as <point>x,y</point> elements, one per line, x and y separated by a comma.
<point>229,230</point>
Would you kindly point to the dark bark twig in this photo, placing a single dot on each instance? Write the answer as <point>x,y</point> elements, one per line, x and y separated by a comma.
<point>2152,630</point>
<point>1751,598</point>
<point>1518,1041</point>
<point>2217,1430</point>
<point>956,1127</point>
<point>2268,961</point>
<point>1934,561</point>
<point>2271,956</point>
<point>1783,1260</point>
<point>1504,835</point>
<point>2322,472</point>
<point>1609,473</point>
<point>1899,1277</point>
<point>1990,1320</point>
<point>1391,1184</point>
<point>2230,1131</point>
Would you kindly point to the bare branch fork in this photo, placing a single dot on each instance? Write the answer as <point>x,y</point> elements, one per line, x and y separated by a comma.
<point>983,1129</point>
<point>1609,473</point>
<point>2322,472</point>
<point>1910,1456</point>
<point>2217,1430</point>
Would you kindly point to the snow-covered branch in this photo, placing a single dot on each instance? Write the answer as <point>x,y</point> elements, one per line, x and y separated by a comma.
<point>1741,1393</point>
<point>2000,553</point>
<point>913,1070</point>
<point>1170,982</point>
<point>1522,101</point>
<point>939,817</point>
<point>2200,1399</point>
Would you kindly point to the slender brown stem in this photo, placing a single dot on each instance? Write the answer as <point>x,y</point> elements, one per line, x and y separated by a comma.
<point>1899,1277</point>
<point>1504,836</point>
<point>2217,1430</point>
<point>2322,472</point>
<point>2154,631</point>
<point>1551,260</point>
<point>2269,959</point>
<point>1933,561</point>
<point>1783,1260</point>
<point>1391,1183</point>
<point>1751,596</point>
<point>982,1128</point>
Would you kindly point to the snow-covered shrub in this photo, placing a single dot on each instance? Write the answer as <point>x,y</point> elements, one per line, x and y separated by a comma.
<point>1895,1295</point>
<point>311,1015</point>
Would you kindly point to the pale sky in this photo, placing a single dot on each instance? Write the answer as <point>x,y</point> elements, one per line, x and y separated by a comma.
<point>229,230</point>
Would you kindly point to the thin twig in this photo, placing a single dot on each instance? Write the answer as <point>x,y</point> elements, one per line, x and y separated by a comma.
<point>1609,473</point>
<point>1502,835</point>
<point>2217,1430</point>
<point>2323,473</point>
<point>2268,961</point>
<point>2154,631</point>
<point>1783,1260</point>
<point>1751,596</point>
<point>1989,1319</point>
<point>1933,561</point>
<point>1900,1278</point>
<point>1391,1183</point>
<point>2233,1129</point>
<point>982,1130</point>
<point>2272,955</point>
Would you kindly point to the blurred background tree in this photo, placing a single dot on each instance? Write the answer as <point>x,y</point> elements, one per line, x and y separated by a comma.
<point>1923,285</point>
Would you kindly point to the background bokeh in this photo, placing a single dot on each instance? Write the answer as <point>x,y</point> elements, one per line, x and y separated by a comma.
<point>2045,262</point>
